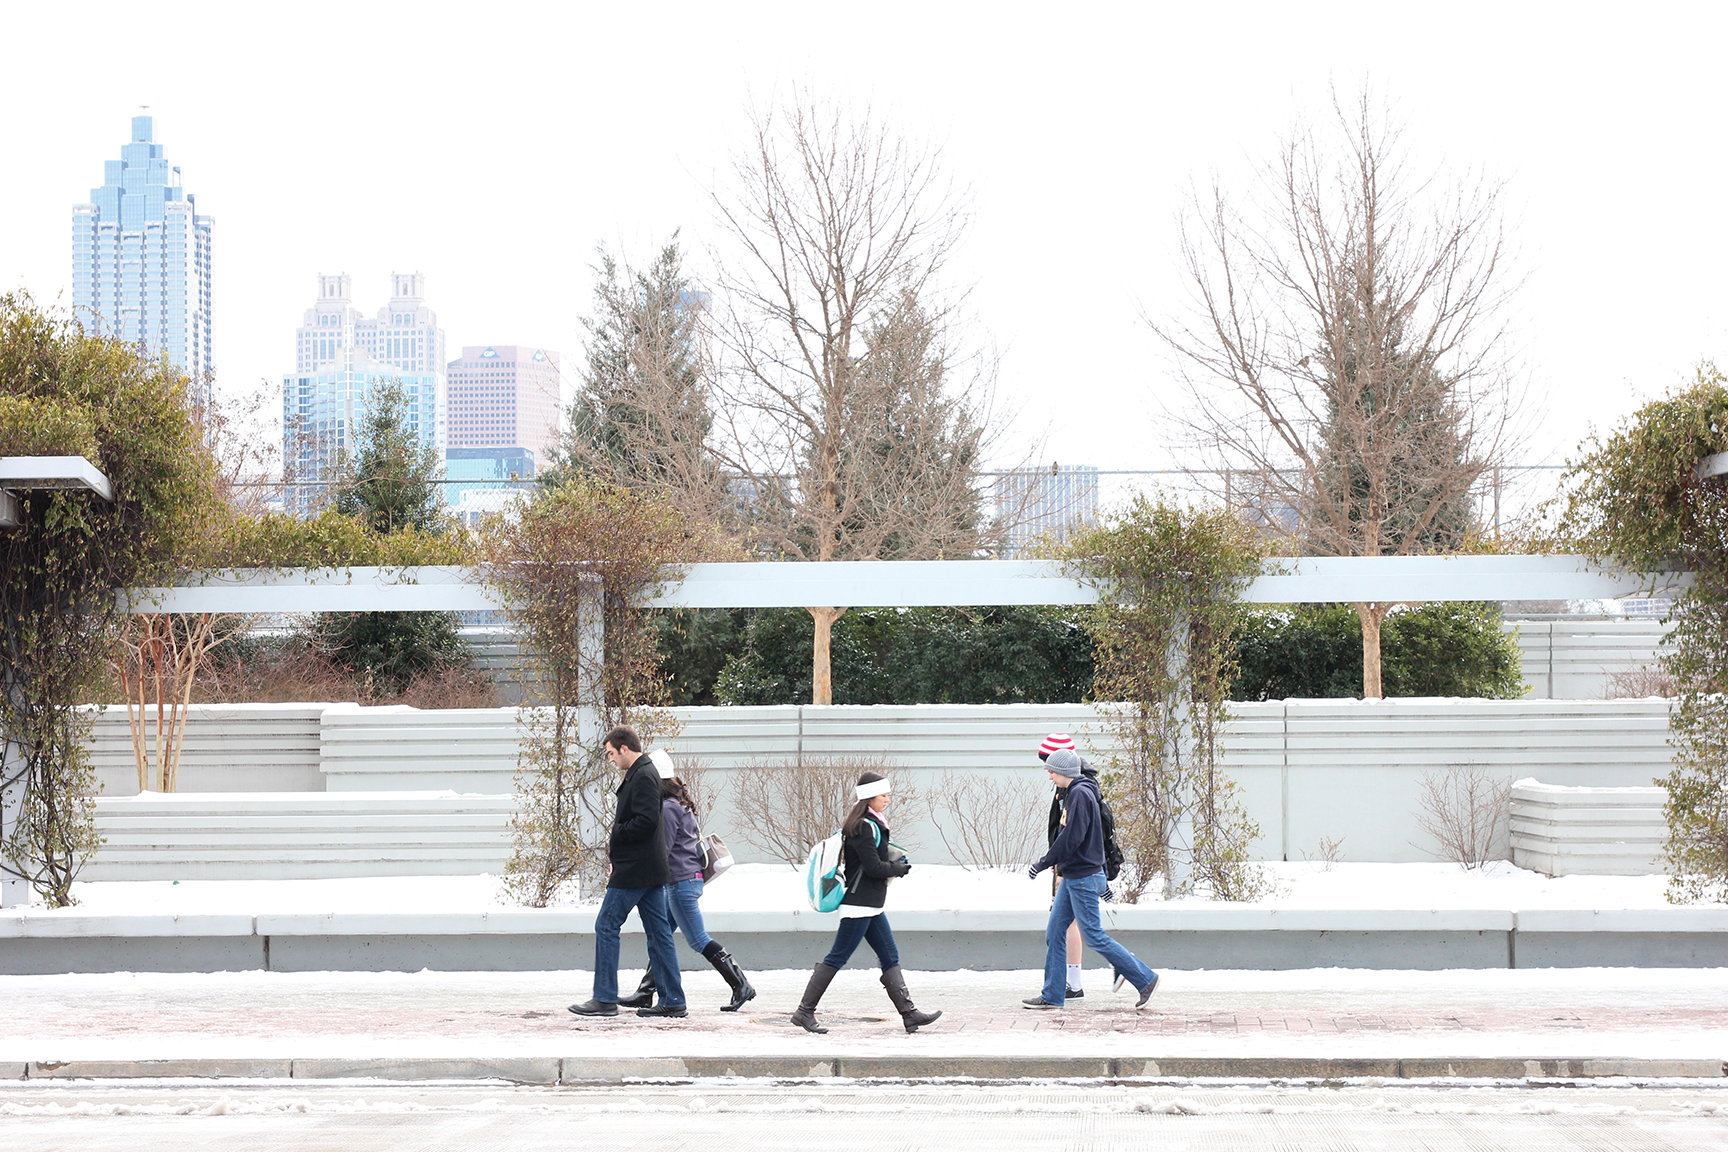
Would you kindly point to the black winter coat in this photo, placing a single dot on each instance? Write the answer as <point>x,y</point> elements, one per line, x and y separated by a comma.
<point>870,865</point>
<point>637,848</point>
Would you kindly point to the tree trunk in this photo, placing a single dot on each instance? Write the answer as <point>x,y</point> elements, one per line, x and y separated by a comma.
<point>821,667</point>
<point>1371,615</point>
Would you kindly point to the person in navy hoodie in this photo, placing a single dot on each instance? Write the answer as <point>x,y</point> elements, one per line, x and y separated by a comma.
<point>1078,856</point>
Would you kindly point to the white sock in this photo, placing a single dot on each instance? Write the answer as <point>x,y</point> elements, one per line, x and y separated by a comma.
<point>1073,975</point>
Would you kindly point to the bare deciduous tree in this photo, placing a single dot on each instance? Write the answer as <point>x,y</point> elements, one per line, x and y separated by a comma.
<point>852,422</point>
<point>1346,357</point>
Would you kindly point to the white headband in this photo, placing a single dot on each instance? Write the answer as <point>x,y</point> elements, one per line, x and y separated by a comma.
<point>663,763</point>
<point>873,789</point>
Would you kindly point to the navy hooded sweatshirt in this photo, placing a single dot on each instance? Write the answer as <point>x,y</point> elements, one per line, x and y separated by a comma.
<point>1078,849</point>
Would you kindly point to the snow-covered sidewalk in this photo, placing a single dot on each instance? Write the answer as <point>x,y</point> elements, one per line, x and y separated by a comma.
<point>1543,1015</point>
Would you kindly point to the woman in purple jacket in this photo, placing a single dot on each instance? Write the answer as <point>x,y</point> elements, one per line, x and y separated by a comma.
<point>684,893</point>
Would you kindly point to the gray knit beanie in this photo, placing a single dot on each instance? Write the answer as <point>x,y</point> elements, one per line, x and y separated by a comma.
<point>1063,762</point>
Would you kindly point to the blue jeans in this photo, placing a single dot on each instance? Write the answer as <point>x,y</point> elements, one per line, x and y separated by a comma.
<point>855,928</point>
<point>650,904</point>
<point>1077,900</point>
<point>681,902</point>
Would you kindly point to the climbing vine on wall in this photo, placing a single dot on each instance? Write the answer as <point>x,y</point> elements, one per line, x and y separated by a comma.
<point>576,569</point>
<point>1637,499</point>
<point>1169,582</point>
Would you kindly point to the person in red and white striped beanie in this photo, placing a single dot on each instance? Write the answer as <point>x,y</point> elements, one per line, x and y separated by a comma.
<point>1054,741</point>
<point>1061,741</point>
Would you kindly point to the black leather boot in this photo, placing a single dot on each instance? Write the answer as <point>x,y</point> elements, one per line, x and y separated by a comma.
<point>731,973</point>
<point>644,994</point>
<point>805,1015</point>
<point>895,983</point>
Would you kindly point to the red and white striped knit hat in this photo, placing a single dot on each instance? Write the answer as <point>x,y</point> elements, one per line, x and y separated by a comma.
<point>1054,741</point>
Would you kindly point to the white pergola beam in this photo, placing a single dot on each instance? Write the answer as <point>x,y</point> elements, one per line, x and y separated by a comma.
<point>1715,465</point>
<point>906,584</point>
<point>54,472</point>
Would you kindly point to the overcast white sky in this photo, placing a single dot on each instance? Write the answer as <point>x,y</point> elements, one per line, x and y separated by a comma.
<point>492,146</point>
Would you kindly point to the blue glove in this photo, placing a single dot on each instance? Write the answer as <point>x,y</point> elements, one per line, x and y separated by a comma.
<point>1032,872</point>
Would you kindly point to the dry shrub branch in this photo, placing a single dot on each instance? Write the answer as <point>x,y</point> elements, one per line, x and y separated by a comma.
<point>990,823</point>
<point>783,807</point>
<point>1465,810</point>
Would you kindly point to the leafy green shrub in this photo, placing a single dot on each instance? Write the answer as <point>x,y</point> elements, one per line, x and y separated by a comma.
<point>995,655</point>
<point>67,392</point>
<point>1637,500</point>
<point>1314,651</point>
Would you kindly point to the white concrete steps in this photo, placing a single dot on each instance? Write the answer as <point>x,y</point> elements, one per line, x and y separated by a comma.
<point>300,835</point>
<point>1587,831</point>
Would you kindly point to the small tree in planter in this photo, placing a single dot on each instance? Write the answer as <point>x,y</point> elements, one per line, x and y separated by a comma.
<point>575,569</point>
<point>1637,499</point>
<point>1169,581</point>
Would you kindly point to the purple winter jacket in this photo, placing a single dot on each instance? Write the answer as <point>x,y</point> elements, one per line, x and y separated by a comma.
<point>683,854</point>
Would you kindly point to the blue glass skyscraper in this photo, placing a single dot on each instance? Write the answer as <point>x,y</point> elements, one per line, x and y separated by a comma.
<point>141,259</point>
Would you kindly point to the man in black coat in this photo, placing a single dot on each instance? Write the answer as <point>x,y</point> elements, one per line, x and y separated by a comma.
<point>637,851</point>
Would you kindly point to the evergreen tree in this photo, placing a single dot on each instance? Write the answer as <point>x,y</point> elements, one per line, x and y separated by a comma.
<point>391,479</point>
<point>641,416</point>
<point>391,484</point>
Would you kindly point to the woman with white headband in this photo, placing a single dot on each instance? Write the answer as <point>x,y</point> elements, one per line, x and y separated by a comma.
<point>870,861</point>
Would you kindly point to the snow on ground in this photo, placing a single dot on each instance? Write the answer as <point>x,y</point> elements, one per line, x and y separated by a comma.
<point>751,887</point>
<point>1524,1013</point>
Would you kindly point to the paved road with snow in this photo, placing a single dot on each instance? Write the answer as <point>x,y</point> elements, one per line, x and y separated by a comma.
<point>840,1116</point>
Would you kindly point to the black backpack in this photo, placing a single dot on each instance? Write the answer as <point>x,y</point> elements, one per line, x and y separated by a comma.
<point>1113,857</point>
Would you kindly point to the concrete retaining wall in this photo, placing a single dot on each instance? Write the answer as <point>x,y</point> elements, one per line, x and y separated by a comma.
<point>1579,659</point>
<point>229,748</point>
<point>299,835</point>
<point>1587,831</point>
<point>1348,771</point>
<point>1184,937</point>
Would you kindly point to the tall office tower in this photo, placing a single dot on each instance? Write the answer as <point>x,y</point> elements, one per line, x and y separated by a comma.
<point>141,259</point>
<point>341,357</point>
<point>503,396</point>
<point>1044,503</point>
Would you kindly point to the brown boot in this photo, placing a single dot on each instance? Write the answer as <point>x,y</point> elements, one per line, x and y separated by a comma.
<point>805,1015</point>
<point>895,982</point>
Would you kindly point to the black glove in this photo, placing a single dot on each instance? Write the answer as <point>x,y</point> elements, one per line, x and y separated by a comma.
<point>905,867</point>
<point>1032,872</point>
<point>1107,895</point>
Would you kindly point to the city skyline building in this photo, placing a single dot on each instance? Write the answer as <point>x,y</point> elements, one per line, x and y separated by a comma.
<point>504,396</point>
<point>1046,503</point>
<point>141,259</point>
<point>341,358</point>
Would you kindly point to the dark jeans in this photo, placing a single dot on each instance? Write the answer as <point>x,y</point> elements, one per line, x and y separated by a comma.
<point>855,928</point>
<point>650,904</point>
<point>1077,900</point>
